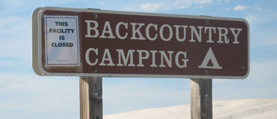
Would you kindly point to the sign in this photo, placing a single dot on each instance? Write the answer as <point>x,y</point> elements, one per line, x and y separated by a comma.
<point>61,40</point>
<point>85,42</point>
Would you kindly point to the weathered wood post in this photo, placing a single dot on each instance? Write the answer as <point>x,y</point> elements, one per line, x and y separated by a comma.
<point>201,99</point>
<point>91,101</point>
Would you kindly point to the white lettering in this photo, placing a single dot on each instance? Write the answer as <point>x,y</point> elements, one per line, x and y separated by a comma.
<point>137,31</point>
<point>117,31</point>
<point>197,34</point>
<point>147,32</point>
<point>87,56</point>
<point>153,52</point>
<point>107,30</point>
<point>224,35</point>
<point>210,30</point>
<point>162,32</point>
<point>125,58</point>
<point>166,58</point>
<point>236,34</point>
<point>146,56</point>
<point>152,32</point>
<point>89,28</point>
<point>177,32</point>
<point>107,57</point>
<point>184,60</point>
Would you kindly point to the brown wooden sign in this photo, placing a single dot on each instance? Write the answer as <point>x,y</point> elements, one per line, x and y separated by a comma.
<point>85,42</point>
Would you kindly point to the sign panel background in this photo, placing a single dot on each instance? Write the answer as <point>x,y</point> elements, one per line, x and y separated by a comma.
<point>233,58</point>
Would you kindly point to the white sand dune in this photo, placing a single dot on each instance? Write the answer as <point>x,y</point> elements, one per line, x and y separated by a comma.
<point>231,109</point>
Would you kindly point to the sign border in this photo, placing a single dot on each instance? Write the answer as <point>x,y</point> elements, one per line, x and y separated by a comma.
<point>37,46</point>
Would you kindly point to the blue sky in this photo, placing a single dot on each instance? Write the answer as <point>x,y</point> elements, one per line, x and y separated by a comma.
<point>25,95</point>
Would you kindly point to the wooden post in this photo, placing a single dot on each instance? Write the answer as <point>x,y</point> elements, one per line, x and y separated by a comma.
<point>91,101</point>
<point>201,99</point>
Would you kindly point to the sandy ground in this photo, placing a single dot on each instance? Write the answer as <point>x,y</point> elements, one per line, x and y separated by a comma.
<point>231,109</point>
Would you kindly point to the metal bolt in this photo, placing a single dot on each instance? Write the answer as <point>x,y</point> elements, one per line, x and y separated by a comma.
<point>95,16</point>
<point>206,22</point>
<point>242,67</point>
<point>206,72</point>
<point>94,70</point>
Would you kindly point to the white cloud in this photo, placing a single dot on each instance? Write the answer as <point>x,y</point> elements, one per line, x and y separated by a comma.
<point>153,7</point>
<point>189,3</point>
<point>240,7</point>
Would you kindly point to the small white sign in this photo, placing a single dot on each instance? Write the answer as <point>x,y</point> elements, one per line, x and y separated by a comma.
<point>61,40</point>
